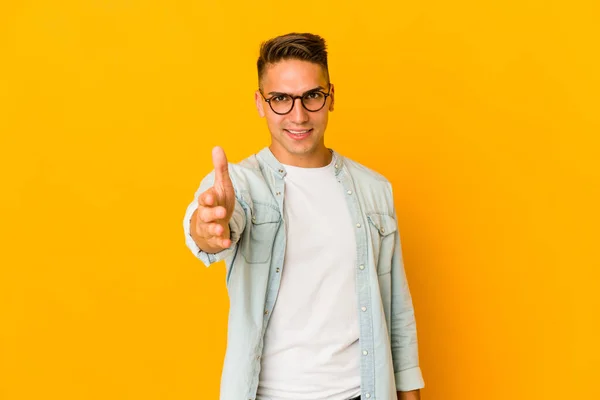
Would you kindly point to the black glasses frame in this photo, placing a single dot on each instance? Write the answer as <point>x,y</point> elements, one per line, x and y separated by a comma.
<point>326,95</point>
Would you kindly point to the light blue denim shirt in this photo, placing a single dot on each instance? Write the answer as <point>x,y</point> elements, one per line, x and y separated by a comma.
<point>389,360</point>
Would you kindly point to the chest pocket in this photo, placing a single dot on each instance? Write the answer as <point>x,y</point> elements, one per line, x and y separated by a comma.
<point>382,228</point>
<point>257,245</point>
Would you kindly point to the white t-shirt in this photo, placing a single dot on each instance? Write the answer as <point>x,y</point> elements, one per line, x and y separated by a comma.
<point>311,349</point>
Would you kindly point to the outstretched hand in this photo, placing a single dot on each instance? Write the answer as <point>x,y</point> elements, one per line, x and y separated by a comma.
<point>215,207</point>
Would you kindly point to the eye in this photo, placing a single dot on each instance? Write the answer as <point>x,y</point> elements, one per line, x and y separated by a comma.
<point>280,98</point>
<point>313,95</point>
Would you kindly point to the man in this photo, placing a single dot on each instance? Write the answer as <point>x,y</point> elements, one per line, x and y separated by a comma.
<point>319,303</point>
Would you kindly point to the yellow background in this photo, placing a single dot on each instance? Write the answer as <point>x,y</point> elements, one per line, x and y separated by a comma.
<point>485,117</point>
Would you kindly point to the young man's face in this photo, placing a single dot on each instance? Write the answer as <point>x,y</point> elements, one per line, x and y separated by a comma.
<point>297,137</point>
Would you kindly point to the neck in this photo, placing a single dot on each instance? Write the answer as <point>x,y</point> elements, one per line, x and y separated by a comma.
<point>318,159</point>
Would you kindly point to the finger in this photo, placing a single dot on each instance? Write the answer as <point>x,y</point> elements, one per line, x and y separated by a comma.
<point>214,230</point>
<point>211,214</point>
<point>218,242</point>
<point>212,233</point>
<point>220,164</point>
<point>207,198</point>
<point>208,230</point>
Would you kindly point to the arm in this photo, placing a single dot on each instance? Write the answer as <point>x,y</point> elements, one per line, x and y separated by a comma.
<point>405,354</point>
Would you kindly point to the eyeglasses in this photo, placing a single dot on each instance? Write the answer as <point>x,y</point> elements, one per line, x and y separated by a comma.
<point>283,103</point>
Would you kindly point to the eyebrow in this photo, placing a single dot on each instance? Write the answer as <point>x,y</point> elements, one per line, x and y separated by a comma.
<point>308,91</point>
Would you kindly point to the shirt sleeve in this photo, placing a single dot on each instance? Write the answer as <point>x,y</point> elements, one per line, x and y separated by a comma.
<point>405,354</point>
<point>237,224</point>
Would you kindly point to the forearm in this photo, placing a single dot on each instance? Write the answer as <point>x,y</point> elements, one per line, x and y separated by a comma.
<point>412,395</point>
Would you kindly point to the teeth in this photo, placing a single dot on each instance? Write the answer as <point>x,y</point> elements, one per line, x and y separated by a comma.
<point>298,132</point>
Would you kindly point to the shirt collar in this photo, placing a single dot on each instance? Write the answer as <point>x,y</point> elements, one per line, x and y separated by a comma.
<point>267,156</point>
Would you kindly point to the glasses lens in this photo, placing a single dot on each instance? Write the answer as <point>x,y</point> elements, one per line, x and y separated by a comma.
<point>281,104</point>
<point>313,101</point>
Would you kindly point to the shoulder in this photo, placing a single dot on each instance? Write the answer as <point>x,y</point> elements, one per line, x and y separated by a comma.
<point>374,190</point>
<point>364,173</point>
<point>247,164</point>
<point>247,171</point>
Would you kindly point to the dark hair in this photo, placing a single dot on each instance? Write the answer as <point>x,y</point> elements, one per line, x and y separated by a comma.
<point>293,46</point>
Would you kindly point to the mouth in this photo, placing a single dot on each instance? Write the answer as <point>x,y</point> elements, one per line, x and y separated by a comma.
<point>298,134</point>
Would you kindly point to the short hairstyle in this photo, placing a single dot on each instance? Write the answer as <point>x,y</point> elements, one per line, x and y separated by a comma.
<point>292,46</point>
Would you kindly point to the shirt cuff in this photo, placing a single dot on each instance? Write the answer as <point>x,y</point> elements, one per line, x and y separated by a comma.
<point>409,379</point>
<point>211,258</point>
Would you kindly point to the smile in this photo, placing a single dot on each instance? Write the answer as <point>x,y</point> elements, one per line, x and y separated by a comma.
<point>298,134</point>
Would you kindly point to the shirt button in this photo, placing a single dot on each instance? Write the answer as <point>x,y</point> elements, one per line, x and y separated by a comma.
<point>253,219</point>
<point>277,270</point>
<point>278,193</point>
<point>368,395</point>
<point>349,192</point>
<point>361,267</point>
<point>258,357</point>
<point>363,308</point>
<point>358,225</point>
<point>266,312</point>
<point>281,171</point>
<point>382,230</point>
<point>336,165</point>
<point>365,352</point>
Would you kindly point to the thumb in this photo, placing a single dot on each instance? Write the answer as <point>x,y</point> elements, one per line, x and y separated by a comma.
<point>221,167</point>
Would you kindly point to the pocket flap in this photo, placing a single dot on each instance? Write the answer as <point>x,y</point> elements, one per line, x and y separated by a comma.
<point>384,223</point>
<point>264,214</point>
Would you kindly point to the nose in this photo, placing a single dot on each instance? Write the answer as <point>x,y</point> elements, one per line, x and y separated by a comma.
<point>298,115</point>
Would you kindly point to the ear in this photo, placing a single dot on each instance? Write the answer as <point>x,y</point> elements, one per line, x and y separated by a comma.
<point>332,98</point>
<point>259,104</point>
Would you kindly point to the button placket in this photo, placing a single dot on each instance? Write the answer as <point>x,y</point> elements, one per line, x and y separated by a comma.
<point>366,328</point>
